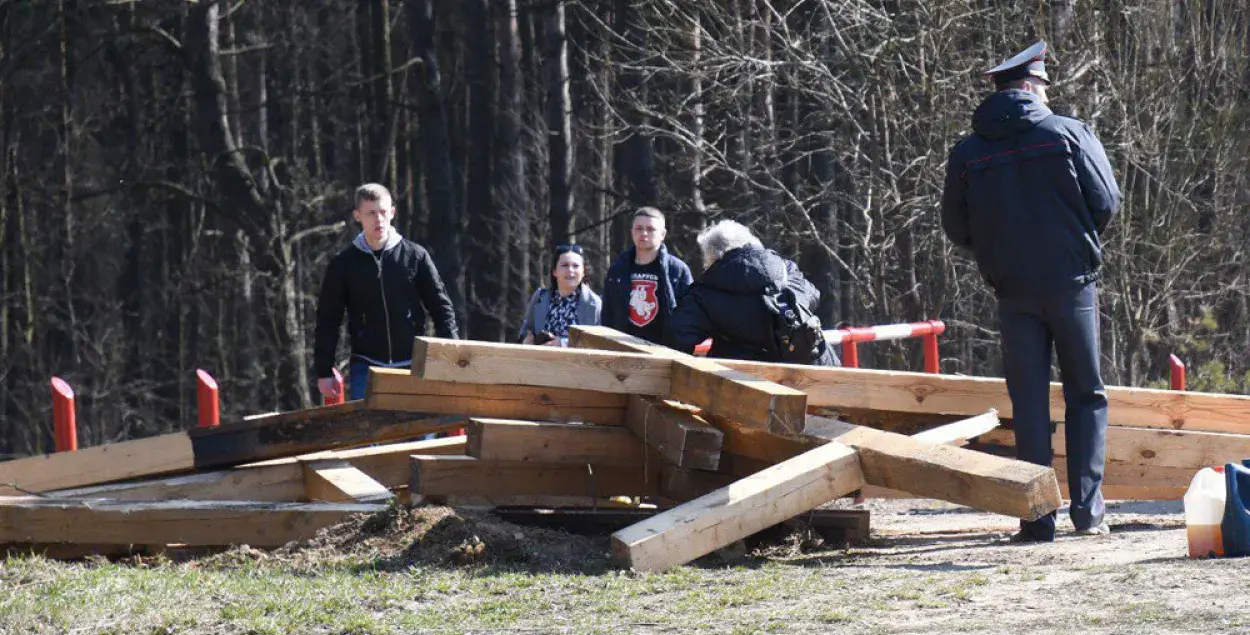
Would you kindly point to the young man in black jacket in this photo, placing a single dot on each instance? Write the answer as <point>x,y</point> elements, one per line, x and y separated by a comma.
<point>645,282</point>
<point>387,285</point>
<point>1030,194</point>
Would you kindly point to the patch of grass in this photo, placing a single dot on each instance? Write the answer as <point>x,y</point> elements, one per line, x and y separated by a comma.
<point>835,617</point>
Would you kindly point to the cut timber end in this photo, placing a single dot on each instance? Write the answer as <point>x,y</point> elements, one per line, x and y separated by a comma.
<point>681,437</point>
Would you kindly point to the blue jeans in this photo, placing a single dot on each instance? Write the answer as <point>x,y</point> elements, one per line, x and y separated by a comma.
<point>357,378</point>
<point>358,383</point>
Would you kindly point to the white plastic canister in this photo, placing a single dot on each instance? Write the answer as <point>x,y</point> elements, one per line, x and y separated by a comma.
<point>1204,512</point>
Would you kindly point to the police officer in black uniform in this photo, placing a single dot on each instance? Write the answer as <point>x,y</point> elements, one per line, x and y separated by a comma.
<point>1030,193</point>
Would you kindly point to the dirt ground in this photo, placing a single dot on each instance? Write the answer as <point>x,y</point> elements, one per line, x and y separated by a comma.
<point>1138,579</point>
<point>928,567</point>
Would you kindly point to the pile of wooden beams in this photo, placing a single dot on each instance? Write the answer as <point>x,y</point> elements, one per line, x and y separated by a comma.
<point>724,448</point>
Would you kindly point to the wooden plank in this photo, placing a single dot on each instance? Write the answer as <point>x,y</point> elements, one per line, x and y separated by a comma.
<point>455,475</point>
<point>605,338</point>
<point>731,513</point>
<point>307,431</point>
<point>532,501</point>
<point>959,432</point>
<point>836,525</point>
<point>680,436</point>
<point>539,442</point>
<point>397,389</point>
<point>271,436</point>
<point>31,519</point>
<point>959,395</point>
<point>165,454</point>
<point>1153,446</point>
<point>283,482</point>
<point>984,481</point>
<point>713,385</point>
<point>740,396</point>
<point>387,464</point>
<point>1123,480</point>
<point>390,464</point>
<point>338,481</point>
<point>272,480</point>
<point>955,433</point>
<point>517,364</point>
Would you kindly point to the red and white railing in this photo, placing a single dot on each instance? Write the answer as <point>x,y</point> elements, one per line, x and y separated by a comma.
<point>850,338</point>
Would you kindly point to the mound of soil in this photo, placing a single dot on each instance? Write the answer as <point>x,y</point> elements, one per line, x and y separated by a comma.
<point>433,535</point>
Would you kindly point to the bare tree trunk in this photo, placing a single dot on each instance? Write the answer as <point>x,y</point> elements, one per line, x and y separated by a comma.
<point>696,124</point>
<point>489,236</point>
<point>509,175</point>
<point>635,162</point>
<point>559,128</point>
<point>445,227</point>
<point>69,333</point>
<point>385,118</point>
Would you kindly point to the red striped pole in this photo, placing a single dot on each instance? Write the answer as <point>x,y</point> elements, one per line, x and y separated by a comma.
<point>206,400</point>
<point>1178,372</point>
<point>850,337</point>
<point>64,425</point>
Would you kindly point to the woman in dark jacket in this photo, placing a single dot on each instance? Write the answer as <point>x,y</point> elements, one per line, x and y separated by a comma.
<point>568,301</point>
<point>728,302</point>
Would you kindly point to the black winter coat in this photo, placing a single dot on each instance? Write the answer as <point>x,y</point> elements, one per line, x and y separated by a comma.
<point>726,304</point>
<point>1029,193</point>
<point>386,302</point>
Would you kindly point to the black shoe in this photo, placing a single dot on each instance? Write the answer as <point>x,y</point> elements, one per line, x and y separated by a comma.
<point>1024,537</point>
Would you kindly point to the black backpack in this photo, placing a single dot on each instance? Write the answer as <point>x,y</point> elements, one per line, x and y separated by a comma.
<point>797,334</point>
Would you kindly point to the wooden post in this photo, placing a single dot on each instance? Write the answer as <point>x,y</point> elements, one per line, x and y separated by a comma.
<point>206,400</point>
<point>850,354</point>
<point>932,363</point>
<point>64,425</point>
<point>1178,372</point>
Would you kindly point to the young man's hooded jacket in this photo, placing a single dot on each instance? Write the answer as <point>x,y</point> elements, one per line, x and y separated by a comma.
<point>386,295</point>
<point>1029,193</point>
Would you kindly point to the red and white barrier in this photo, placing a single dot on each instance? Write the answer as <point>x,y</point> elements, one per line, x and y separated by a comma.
<point>849,338</point>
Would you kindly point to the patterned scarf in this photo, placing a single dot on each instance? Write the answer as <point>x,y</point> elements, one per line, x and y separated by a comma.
<point>563,312</point>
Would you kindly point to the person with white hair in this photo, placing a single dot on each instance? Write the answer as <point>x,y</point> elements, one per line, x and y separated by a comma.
<point>754,304</point>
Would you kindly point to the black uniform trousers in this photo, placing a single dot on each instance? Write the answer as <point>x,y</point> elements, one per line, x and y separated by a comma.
<point>1067,321</point>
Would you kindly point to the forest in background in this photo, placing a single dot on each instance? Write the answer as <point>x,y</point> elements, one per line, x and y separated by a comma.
<point>174,175</point>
